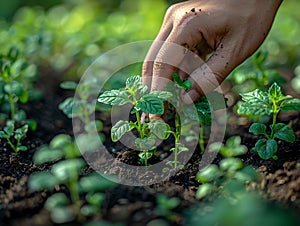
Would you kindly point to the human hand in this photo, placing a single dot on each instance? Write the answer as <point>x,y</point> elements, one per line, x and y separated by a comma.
<point>231,29</point>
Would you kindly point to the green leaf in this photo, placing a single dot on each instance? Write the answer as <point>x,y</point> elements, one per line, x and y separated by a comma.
<point>233,147</point>
<point>151,104</point>
<point>258,128</point>
<point>67,106</point>
<point>204,190</point>
<point>4,135</point>
<point>42,180</point>
<point>276,94</point>
<point>204,112</point>
<point>208,174</point>
<point>20,116</point>
<point>14,88</point>
<point>114,97</point>
<point>266,148</point>
<point>161,94</point>
<point>69,85</point>
<point>255,103</point>
<point>146,143</point>
<point>231,164</point>
<point>187,84</point>
<point>57,200</point>
<point>290,105</point>
<point>95,183</point>
<point>62,215</point>
<point>22,148</point>
<point>134,82</point>
<point>160,129</point>
<point>181,148</point>
<point>9,129</point>
<point>95,199</point>
<point>145,155</point>
<point>284,132</point>
<point>68,169</point>
<point>47,155</point>
<point>119,129</point>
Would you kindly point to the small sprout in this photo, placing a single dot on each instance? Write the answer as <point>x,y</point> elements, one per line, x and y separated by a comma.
<point>14,136</point>
<point>260,103</point>
<point>142,100</point>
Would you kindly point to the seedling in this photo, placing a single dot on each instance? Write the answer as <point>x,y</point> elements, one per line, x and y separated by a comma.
<point>165,206</point>
<point>254,74</point>
<point>81,106</point>
<point>14,136</point>
<point>270,103</point>
<point>142,100</point>
<point>230,175</point>
<point>16,78</point>
<point>67,171</point>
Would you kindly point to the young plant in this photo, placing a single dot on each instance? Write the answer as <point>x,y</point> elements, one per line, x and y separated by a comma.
<point>269,103</point>
<point>16,83</point>
<point>142,100</point>
<point>66,170</point>
<point>14,136</point>
<point>80,106</point>
<point>165,206</point>
<point>230,176</point>
<point>254,74</point>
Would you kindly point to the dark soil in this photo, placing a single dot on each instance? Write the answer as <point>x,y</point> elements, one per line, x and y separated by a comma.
<point>132,205</point>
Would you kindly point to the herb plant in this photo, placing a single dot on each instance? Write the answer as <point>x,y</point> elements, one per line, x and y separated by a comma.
<point>14,136</point>
<point>230,175</point>
<point>85,192</point>
<point>142,100</point>
<point>80,105</point>
<point>269,103</point>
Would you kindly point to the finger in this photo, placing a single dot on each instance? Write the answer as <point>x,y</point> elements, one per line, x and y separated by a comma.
<point>147,69</point>
<point>209,75</point>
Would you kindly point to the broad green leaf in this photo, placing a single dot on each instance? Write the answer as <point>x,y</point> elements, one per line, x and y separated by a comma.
<point>119,129</point>
<point>208,174</point>
<point>134,82</point>
<point>90,210</point>
<point>151,104</point>
<point>290,105</point>
<point>266,148</point>
<point>187,84</point>
<point>57,200</point>
<point>47,155</point>
<point>255,103</point>
<point>69,85</point>
<point>4,135</point>
<point>161,94</point>
<point>61,215</point>
<point>22,148</point>
<point>114,97</point>
<point>177,79</point>
<point>258,128</point>
<point>204,190</point>
<point>9,129</point>
<point>20,116</point>
<point>68,169</point>
<point>276,94</point>
<point>231,164</point>
<point>204,112</point>
<point>181,149</point>
<point>42,180</point>
<point>146,143</point>
<point>14,88</point>
<point>160,129</point>
<point>284,132</point>
<point>95,183</point>
<point>24,97</point>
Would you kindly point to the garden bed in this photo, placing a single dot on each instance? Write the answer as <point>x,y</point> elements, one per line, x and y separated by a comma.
<point>134,205</point>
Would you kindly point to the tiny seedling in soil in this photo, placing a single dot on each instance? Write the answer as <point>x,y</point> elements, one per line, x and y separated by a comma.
<point>142,100</point>
<point>270,103</point>
<point>86,192</point>
<point>14,136</point>
<point>16,83</point>
<point>229,176</point>
<point>81,106</point>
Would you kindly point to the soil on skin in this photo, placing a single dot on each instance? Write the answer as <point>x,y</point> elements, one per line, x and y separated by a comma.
<point>127,204</point>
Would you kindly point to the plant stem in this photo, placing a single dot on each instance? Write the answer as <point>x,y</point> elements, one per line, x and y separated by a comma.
<point>13,107</point>
<point>201,138</point>
<point>177,138</point>
<point>275,113</point>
